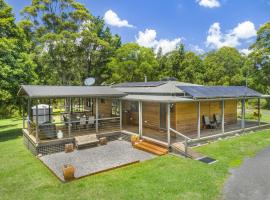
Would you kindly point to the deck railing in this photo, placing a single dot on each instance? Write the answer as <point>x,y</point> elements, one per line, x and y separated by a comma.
<point>186,139</point>
<point>68,129</point>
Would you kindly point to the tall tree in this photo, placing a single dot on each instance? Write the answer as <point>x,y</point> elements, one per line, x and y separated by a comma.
<point>69,42</point>
<point>131,63</point>
<point>260,57</point>
<point>192,69</point>
<point>16,65</point>
<point>224,67</point>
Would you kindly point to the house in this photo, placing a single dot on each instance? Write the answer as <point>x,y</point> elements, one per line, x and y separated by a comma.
<point>164,112</point>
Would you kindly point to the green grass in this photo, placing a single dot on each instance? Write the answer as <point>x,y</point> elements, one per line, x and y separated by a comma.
<point>22,176</point>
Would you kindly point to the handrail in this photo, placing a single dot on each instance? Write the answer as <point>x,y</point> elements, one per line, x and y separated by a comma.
<point>180,134</point>
<point>186,140</point>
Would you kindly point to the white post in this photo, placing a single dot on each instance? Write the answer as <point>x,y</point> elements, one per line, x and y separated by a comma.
<point>69,117</point>
<point>223,116</point>
<point>37,121</point>
<point>120,112</point>
<point>259,111</point>
<point>29,115</point>
<point>97,116</point>
<point>169,124</point>
<point>140,119</point>
<point>199,119</point>
<point>243,114</point>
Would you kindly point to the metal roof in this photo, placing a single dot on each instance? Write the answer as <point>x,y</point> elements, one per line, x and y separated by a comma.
<point>167,88</point>
<point>140,84</point>
<point>42,91</point>
<point>202,92</point>
<point>156,98</point>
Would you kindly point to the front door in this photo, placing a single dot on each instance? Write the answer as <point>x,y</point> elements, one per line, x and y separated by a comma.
<point>163,114</point>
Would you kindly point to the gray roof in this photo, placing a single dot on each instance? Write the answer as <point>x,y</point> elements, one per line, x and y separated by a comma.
<point>38,91</point>
<point>156,98</point>
<point>166,88</point>
<point>205,92</point>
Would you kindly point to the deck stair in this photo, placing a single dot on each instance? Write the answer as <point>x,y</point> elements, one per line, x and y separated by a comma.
<point>151,147</point>
<point>180,147</point>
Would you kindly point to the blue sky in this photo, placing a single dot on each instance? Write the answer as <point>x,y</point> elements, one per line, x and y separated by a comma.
<point>201,25</point>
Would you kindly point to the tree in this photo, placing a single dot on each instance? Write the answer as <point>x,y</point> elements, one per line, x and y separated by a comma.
<point>131,63</point>
<point>70,43</point>
<point>260,58</point>
<point>16,65</point>
<point>224,67</point>
<point>192,69</point>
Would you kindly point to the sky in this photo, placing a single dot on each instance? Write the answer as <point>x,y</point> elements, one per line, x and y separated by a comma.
<point>202,25</point>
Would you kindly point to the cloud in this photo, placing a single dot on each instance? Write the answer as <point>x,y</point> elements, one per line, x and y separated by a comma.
<point>148,38</point>
<point>209,3</point>
<point>245,30</point>
<point>216,39</point>
<point>196,49</point>
<point>111,18</point>
<point>245,51</point>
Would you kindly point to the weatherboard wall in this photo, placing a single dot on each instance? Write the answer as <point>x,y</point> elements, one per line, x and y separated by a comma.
<point>186,114</point>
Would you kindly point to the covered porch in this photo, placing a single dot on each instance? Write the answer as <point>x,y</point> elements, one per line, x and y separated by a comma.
<point>55,115</point>
<point>170,119</point>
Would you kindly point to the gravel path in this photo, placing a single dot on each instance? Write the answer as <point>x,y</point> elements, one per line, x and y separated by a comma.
<point>95,159</point>
<point>252,180</point>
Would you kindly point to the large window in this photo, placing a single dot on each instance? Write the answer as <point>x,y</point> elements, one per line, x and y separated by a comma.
<point>115,108</point>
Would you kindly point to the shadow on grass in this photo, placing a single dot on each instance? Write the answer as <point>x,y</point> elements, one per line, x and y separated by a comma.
<point>10,134</point>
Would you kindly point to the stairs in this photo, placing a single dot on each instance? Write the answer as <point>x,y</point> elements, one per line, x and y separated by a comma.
<point>180,147</point>
<point>151,148</point>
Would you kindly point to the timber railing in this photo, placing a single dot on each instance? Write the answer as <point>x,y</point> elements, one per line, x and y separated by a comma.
<point>186,139</point>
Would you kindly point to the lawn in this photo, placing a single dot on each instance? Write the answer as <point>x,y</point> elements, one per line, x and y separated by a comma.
<point>22,176</point>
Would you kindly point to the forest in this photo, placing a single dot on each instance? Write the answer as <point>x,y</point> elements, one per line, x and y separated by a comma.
<point>59,42</point>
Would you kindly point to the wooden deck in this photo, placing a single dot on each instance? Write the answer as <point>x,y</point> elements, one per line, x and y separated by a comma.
<point>161,135</point>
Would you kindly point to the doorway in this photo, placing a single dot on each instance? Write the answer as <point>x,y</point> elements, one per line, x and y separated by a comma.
<point>163,116</point>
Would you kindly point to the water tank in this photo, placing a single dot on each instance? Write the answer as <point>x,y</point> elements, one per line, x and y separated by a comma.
<point>44,113</point>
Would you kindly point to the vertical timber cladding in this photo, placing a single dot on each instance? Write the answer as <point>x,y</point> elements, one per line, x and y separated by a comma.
<point>150,114</point>
<point>186,114</point>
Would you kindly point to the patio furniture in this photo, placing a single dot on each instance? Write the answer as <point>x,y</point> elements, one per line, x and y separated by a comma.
<point>69,147</point>
<point>217,119</point>
<point>91,121</point>
<point>82,122</point>
<point>103,141</point>
<point>68,172</point>
<point>47,130</point>
<point>86,141</point>
<point>208,123</point>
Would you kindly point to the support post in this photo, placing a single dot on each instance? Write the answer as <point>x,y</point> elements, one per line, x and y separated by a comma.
<point>199,119</point>
<point>169,124</point>
<point>50,111</point>
<point>223,116</point>
<point>259,112</point>
<point>97,116</point>
<point>140,119</point>
<point>243,114</point>
<point>37,121</point>
<point>120,113</point>
<point>69,117</point>
<point>29,115</point>
<point>23,116</point>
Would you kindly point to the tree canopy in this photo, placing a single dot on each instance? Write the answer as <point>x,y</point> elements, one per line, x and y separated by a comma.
<point>59,42</point>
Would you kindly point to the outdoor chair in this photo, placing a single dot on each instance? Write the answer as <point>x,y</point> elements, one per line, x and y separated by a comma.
<point>208,123</point>
<point>217,119</point>
<point>82,122</point>
<point>91,121</point>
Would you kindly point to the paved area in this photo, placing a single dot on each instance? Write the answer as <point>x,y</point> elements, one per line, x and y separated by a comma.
<point>252,180</point>
<point>95,159</point>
